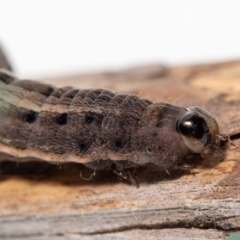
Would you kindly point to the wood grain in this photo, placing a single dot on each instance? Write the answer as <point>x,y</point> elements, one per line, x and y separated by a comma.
<point>39,201</point>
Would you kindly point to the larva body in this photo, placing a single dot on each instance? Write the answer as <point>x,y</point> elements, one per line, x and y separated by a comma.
<point>97,127</point>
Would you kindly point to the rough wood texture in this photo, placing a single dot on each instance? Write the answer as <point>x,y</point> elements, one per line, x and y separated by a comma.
<point>41,202</point>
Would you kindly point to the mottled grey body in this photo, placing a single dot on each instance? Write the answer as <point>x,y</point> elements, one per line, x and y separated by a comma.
<point>96,127</point>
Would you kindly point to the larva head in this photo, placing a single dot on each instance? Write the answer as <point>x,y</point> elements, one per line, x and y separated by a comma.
<point>199,130</point>
<point>157,139</point>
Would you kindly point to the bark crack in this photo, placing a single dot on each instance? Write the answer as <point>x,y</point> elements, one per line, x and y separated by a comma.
<point>197,223</point>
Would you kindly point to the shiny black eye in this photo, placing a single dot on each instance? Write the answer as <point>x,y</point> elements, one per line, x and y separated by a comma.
<point>192,125</point>
<point>198,129</point>
<point>194,130</point>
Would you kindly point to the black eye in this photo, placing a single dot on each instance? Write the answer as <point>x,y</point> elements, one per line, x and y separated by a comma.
<point>198,130</point>
<point>193,125</point>
<point>30,116</point>
<point>194,130</point>
<point>62,119</point>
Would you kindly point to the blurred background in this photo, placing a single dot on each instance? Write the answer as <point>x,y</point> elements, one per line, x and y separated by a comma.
<point>44,38</point>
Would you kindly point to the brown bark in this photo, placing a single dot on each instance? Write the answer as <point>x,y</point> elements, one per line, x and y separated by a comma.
<point>204,204</point>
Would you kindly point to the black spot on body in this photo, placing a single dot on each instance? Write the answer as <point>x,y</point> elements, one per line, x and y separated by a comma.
<point>82,146</point>
<point>30,116</point>
<point>118,143</point>
<point>91,117</point>
<point>62,119</point>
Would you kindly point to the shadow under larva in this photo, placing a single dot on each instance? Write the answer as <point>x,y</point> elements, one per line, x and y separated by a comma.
<point>99,128</point>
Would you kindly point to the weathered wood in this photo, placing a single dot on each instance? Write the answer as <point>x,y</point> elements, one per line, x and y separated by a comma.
<point>40,201</point>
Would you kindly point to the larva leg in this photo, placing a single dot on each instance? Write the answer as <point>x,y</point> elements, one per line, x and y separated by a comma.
<point>89,178</point>
<point>126,176</point>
